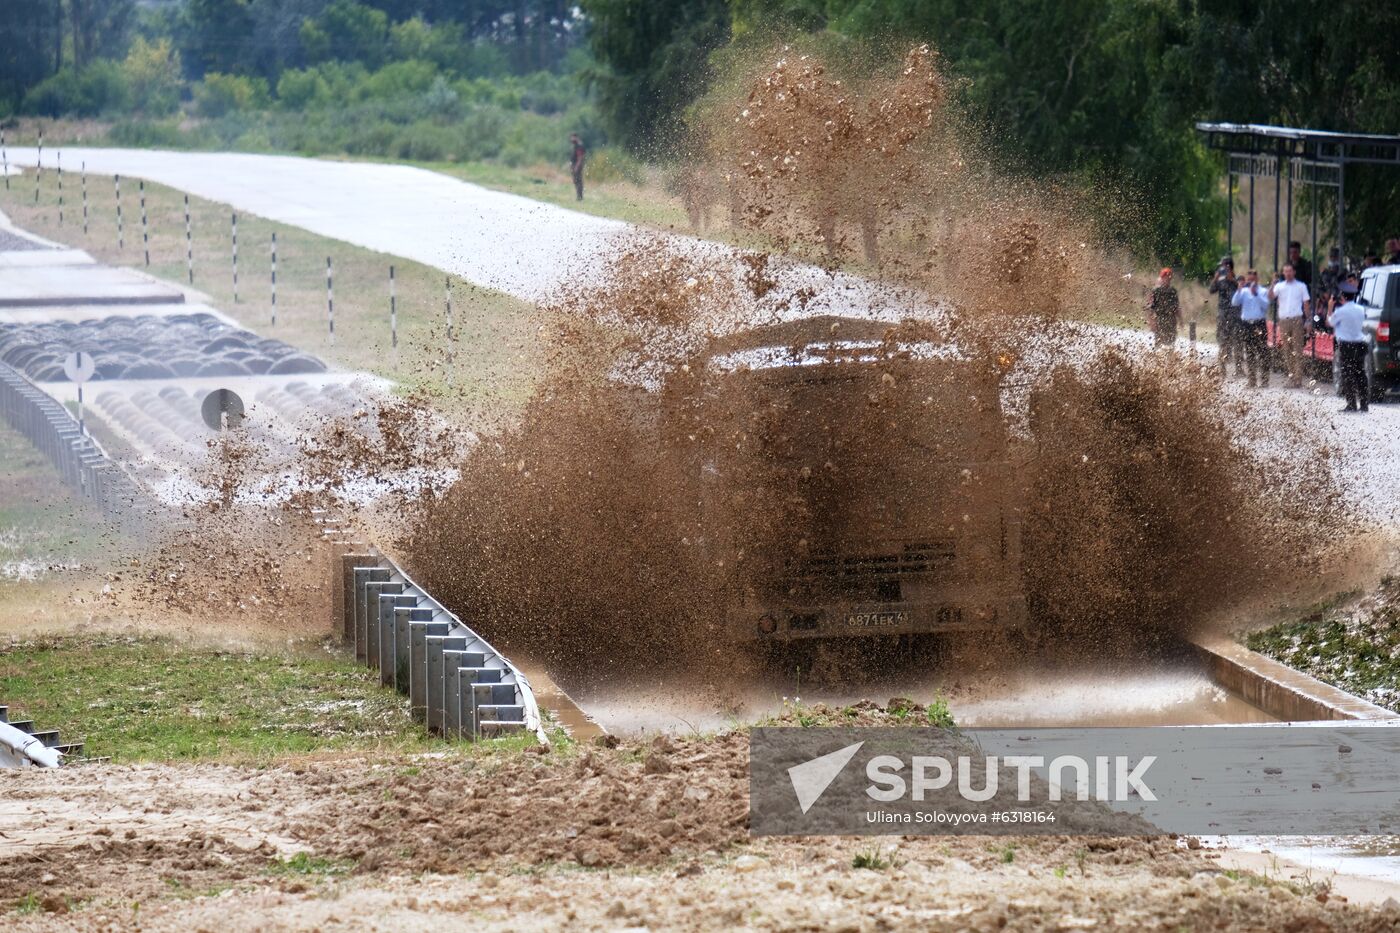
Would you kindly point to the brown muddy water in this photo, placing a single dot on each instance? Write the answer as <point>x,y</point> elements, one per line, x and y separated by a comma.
<point>1146,693</point>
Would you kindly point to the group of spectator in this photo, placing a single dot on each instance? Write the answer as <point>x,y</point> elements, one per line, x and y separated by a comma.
<point>1243,305</point>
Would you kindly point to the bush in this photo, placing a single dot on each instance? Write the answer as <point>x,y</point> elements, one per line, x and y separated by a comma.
<point>481,132</point>
<point>426,142</point>
<point>303,89</point>
<point>373,139</point>
<point>99,88</point>
<point>219,94</point>
<point>612,164</point>
<point>441,100</point>
<point>147,133</point>
<point>152,73</point>
<point>399,80</point>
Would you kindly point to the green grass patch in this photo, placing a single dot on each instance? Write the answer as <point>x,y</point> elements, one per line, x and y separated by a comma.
<point>647,204</point>
<point>29,904</point>
<point>875,859</point>
<point>939,715</point>
<point>304,863</point>
<point>149,699</point>
<point>1356,650</point>
<point>40,518</point>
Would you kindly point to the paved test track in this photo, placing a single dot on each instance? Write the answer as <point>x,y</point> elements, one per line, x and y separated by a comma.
<point>502,241</point>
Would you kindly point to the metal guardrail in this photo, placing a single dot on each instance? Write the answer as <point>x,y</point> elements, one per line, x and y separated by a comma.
<point>79,460</point>
<point>23,745</point>
<point>457,684</point>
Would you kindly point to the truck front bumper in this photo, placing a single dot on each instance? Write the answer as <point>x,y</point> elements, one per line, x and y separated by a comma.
<point>784,622</point>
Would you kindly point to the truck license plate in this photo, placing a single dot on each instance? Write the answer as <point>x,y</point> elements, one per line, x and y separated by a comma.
<point>876,619</point>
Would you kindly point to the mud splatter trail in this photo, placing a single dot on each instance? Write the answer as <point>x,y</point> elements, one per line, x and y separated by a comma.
<point>692,453</point>
<point>647,492</point>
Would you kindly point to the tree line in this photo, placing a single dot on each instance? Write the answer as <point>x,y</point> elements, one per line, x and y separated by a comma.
<point>40,39</point>
<point>1102,92</point>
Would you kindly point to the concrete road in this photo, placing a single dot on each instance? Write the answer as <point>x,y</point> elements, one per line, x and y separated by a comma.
<point>502,241</point>
<point>522,247</point>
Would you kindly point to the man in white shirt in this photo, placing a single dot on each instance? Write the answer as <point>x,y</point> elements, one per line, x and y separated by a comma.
<point>1347,321</point>
<point>1253,301</point>
<point>1293,304</point>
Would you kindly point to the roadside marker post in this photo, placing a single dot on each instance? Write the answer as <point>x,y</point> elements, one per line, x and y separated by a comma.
<point>79,367</point>
<point>58,161</point>
<point>393,318</point>
<point>5,156</point>
<point>235,258</point>
<point>330,302</point>
<point>121,240</point>
<point>39,167</point>
<point>85,203</point>
<point>189,241</point>
<point>450,354</point>
<point>145,227</point>
<point>274,278</point>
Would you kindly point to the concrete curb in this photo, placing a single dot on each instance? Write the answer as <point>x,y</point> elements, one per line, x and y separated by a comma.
<point>458,685</point>
<point>1279,690</point>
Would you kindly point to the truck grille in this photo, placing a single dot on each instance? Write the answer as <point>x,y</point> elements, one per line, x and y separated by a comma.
<point>922,557</point>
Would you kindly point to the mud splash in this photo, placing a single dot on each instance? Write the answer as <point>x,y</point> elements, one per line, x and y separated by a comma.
<point>699,450</point>
<point>665,480</point>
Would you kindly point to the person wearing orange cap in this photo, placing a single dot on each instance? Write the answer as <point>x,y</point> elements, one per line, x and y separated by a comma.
<point>1164,310</point>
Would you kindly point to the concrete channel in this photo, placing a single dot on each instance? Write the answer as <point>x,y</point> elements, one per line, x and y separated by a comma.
<point>1285,694</point>
<point>1211,681</point>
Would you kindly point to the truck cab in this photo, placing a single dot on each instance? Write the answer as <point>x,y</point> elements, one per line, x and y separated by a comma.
<point>861,481</point>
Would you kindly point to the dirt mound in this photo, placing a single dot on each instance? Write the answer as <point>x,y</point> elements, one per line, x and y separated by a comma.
<point>364,842</point>
<point>639,804</point>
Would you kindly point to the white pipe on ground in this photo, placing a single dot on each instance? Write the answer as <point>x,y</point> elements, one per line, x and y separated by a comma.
<point>26,746</point>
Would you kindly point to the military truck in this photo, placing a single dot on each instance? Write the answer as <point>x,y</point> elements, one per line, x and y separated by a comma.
<point>860,479</point>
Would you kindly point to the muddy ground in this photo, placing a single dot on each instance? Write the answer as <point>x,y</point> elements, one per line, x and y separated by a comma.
<point>644,834</point>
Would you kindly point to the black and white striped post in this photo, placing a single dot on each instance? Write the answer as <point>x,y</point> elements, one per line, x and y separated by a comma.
<point>85,203</point>
<point>121,238</point>
<point>448,288</point>
<point>393,317</point>
<point>58,161</point>
<point>189,241</point>
<point>274,278</point>
<point>145,226</point>
<point>39,167</point>
<point>330,302</point>
<point>235,258</point>
<point>5,157</point>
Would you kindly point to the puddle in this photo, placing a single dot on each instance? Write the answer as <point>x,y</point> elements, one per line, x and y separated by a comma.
<point>1145,696</point>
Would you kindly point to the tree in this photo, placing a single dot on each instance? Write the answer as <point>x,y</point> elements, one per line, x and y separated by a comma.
<point>152,71</point>
<point>99,28</point>
<point>29,35</point>
<point>347,31</point>
<point>655,58</point>
<point>214,36</point>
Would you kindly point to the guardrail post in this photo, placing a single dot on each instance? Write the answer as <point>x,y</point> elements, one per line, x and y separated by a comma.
<point>418,633</point>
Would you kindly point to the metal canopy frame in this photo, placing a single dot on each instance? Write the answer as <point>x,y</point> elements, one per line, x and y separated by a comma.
<point>1314,158</point>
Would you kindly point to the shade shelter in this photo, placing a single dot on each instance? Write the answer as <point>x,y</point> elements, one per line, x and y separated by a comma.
<point>1312,158</point>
